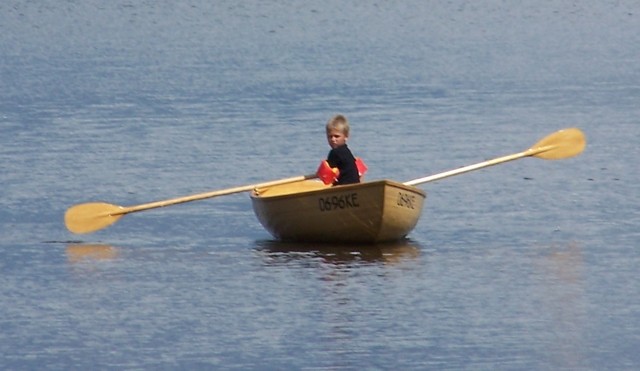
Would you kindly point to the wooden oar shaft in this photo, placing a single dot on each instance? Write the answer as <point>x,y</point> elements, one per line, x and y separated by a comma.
<point>93,216</point>
<point>468,168</point>
<point>561,144</point>
<point>202,196</point>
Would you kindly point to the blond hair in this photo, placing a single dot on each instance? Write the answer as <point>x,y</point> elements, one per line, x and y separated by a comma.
<point>340,123</point>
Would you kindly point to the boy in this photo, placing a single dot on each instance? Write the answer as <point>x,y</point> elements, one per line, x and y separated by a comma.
<point>340,156</point>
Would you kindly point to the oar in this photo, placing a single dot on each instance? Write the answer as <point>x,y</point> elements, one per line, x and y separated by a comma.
<point>93,216</point>
<point>561,144</point>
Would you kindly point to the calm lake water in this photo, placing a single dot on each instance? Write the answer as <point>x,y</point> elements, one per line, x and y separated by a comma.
<point>530,265</point>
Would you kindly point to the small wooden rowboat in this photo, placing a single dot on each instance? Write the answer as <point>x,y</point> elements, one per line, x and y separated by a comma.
<point>310,211</point>
<point>298,209</point>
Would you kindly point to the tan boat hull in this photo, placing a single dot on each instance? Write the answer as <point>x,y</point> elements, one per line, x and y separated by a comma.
<point>309,211</point>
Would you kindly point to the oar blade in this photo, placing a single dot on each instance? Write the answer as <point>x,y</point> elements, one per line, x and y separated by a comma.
<point>559,145</point>
<point>91,217</point>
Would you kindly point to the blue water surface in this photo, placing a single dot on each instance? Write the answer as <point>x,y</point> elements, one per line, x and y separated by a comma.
<point>530,265</point>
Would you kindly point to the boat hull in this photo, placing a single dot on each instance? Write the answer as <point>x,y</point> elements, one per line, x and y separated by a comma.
<point>309,211</point>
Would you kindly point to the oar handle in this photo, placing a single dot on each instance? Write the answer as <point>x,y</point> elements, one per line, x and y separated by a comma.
<point>202,196</point>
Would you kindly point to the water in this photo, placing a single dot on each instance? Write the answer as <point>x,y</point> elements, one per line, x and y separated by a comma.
<point>527,265</point>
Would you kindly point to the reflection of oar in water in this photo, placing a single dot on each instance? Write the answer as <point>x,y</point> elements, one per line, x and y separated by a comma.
<point>93,216</point>
<point>86,252</point>
<point>559,145</point>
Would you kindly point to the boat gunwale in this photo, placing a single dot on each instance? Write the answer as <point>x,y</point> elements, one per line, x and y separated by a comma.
<point>255,193</point>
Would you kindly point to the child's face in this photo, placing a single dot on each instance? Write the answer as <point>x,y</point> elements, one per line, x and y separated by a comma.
<point>336,138</point>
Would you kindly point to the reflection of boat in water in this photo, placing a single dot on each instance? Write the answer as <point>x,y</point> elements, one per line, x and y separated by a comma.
<point>392,252</point>
<point>77,253</point>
